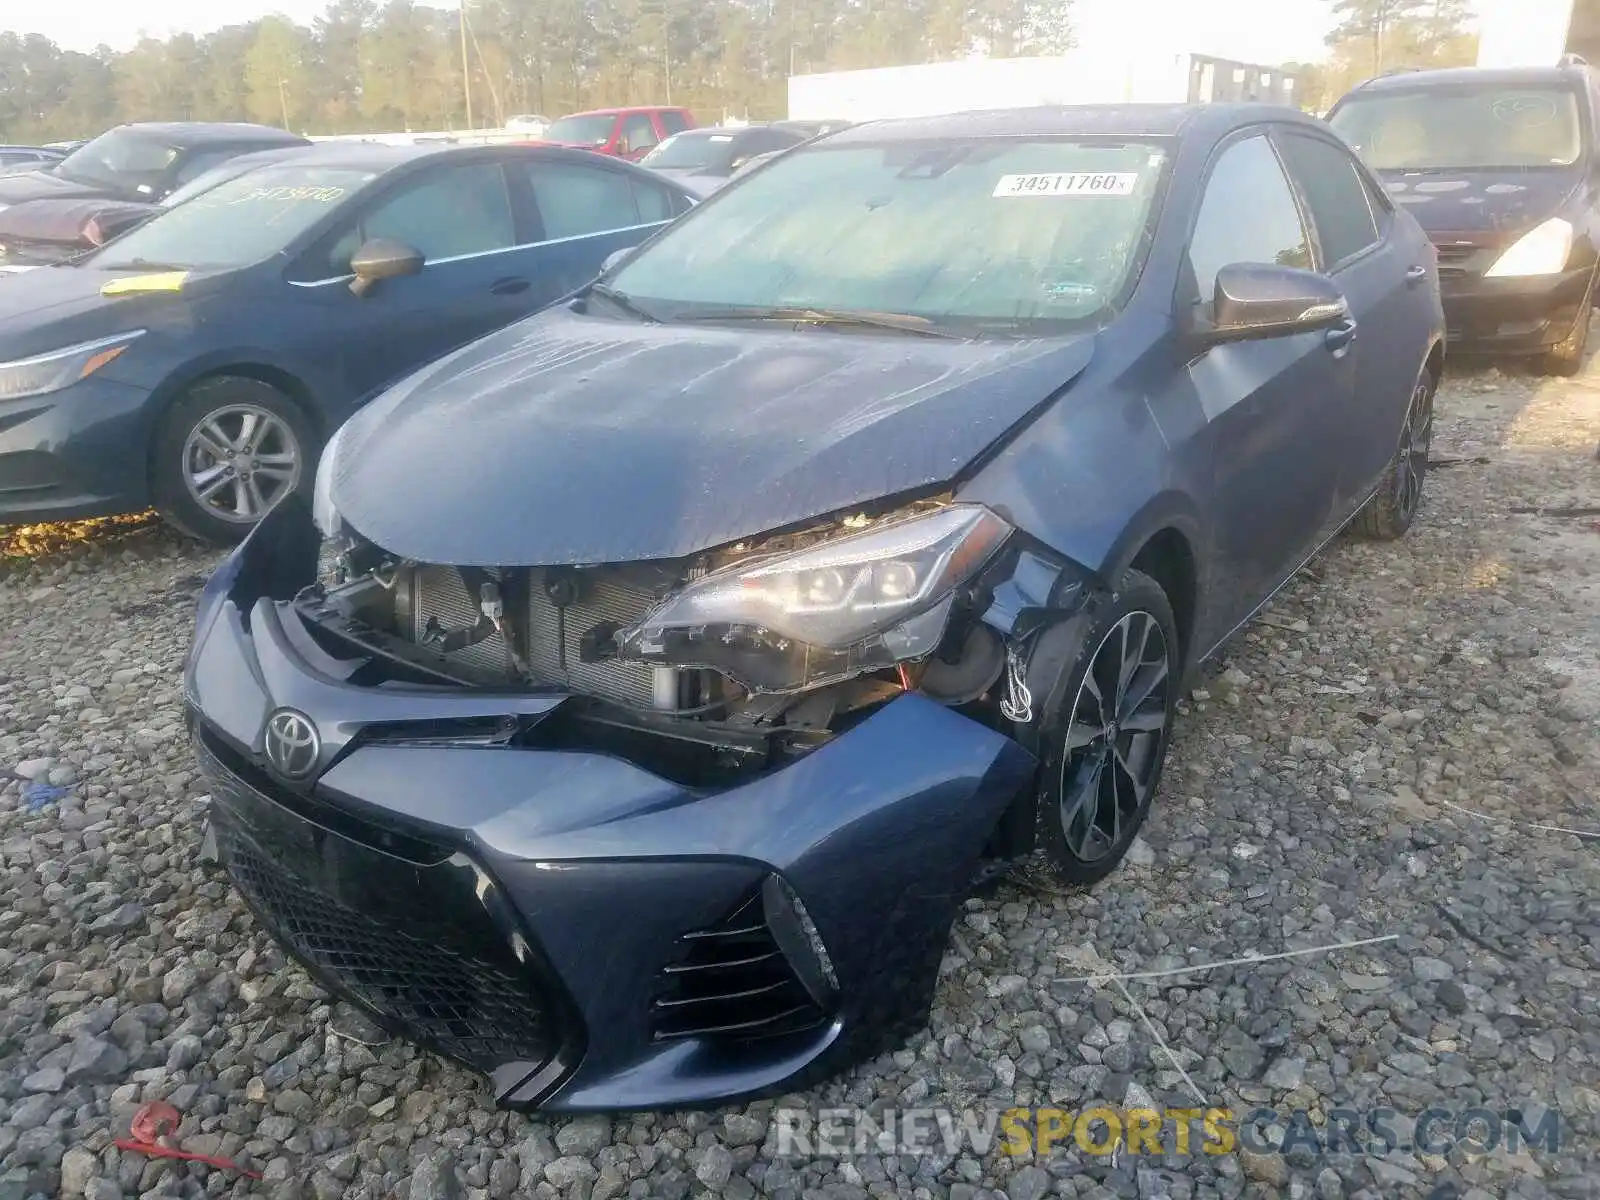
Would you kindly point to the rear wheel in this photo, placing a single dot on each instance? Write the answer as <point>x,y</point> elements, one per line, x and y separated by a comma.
<point>1393,507</point>
<point>226,453</point>
<point>1108,740</point>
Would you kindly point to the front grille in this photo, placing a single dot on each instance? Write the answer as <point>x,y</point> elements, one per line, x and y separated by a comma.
<point>554,635</point>
<point>733,980</point>
<point>1459,258</point>
<point>408,962</point>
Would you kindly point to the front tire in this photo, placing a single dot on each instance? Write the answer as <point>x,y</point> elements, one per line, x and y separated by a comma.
<point>1107,740</point>
<point>1394,506</point>
<point>226,452</point>
<point>1567,356</point>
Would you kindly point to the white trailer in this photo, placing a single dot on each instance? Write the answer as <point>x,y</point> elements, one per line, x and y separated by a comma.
<point>1077,77</point>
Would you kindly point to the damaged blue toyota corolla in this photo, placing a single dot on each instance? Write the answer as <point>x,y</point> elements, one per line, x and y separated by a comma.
<point>648,682</point>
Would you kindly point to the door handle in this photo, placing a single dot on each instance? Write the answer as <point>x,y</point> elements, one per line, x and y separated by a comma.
<point>1415,275</point>
<point>510,287</point>
<point>1338,338</point>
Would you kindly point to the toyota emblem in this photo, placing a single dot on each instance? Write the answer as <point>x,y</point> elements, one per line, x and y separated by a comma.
<point>291,744</point>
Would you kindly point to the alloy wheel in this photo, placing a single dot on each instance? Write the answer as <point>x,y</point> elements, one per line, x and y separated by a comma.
<point>1412,462</point>
<point>239,461</point>
<point>1116,736</point>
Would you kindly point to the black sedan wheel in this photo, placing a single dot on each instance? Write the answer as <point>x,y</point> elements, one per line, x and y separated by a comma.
<point>227,452</point>
<point>1108,740</point>
<point>1399,497</point>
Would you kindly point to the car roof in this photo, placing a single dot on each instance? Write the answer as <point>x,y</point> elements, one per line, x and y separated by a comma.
<point>381,157</point>
<point>206,133</point>
<point>1484,76</point>
<point>1074,120</point>
<point>700,131</point>
<point>626,108</point>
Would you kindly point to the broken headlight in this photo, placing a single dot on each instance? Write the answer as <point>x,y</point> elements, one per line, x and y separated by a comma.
<point>840,608</point>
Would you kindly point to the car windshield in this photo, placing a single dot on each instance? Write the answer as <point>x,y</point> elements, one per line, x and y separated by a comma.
<point>691,152</point>
<point>237,223</point>
<point>1014,236</point>
<point>593,129</point>
<point>1463,128</point>
<point>119,158</point>
<point>203,183</point>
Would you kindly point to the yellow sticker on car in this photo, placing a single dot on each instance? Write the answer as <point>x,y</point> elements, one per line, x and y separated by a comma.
<point>165,281</point>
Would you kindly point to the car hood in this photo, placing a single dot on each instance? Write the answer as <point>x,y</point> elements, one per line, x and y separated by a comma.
<point>41,185</point>
<point>571,439</point>
<point>1502,201</point>
<point>63,220</point>
<point>50,307</point>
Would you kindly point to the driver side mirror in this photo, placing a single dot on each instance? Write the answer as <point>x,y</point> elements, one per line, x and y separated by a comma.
<point>379,259</point>
<point>614,259</point>
<point>1255,300</point>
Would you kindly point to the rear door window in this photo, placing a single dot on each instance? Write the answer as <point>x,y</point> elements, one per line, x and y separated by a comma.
<point>673,121</point>
<point>1341,212</point>
<point>575,201</point>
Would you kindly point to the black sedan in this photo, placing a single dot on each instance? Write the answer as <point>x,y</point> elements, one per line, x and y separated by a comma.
<point>196,362</point>
<point>703,160</point>
<point>680,655</point>
<point>142,162</point>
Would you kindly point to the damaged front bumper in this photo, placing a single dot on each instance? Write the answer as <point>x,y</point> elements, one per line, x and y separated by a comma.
<point>588,933</point>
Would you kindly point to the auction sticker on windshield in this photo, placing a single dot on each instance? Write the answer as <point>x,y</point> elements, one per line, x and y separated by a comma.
<point>1068,183</point>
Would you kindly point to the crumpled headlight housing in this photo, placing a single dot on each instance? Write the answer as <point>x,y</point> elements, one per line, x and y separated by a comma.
<point>840,608</point>
<point>42,374</point>
<point>1543,250</point>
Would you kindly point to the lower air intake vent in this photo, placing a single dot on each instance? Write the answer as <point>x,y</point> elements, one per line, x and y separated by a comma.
<point>467,1007</point>
<point>760,972</point>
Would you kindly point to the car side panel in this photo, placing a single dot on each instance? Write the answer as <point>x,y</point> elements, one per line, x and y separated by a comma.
<point>1113,460</point>
<point>1400,320</point>
<point>402,323</point>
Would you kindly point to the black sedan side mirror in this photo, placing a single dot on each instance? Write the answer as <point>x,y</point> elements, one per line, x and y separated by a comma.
<point>379,259</point>
<point>1254,300</point>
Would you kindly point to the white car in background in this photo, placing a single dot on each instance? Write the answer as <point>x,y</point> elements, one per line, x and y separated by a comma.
<point>531,124</point>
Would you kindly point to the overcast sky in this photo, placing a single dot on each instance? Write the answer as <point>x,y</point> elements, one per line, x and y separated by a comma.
<point>1254,30</point>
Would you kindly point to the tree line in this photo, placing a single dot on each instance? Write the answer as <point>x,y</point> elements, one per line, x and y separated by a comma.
<point>363,66</point>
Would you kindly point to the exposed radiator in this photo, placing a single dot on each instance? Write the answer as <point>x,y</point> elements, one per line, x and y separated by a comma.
<point>440,592</point>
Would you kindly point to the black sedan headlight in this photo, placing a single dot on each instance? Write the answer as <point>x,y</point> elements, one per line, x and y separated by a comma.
<point>842,607</point>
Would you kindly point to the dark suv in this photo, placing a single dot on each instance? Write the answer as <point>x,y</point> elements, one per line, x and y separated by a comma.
<point>1500,169</point>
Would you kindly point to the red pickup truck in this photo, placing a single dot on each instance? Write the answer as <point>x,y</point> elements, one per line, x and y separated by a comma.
<point>623,132</point>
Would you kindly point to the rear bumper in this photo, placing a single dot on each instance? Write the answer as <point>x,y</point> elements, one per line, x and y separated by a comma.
<point>1525,315</point>
<point>588,934</point>
<point>79,452</point>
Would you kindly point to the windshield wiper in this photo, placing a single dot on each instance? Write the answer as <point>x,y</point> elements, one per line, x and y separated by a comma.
<point>623,301</point>
<point>899,322</point>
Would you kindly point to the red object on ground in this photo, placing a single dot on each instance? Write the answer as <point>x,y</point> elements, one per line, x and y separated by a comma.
<point>152,1132</point>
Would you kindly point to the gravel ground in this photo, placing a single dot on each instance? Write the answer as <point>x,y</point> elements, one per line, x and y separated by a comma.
<point>1392,751</point>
